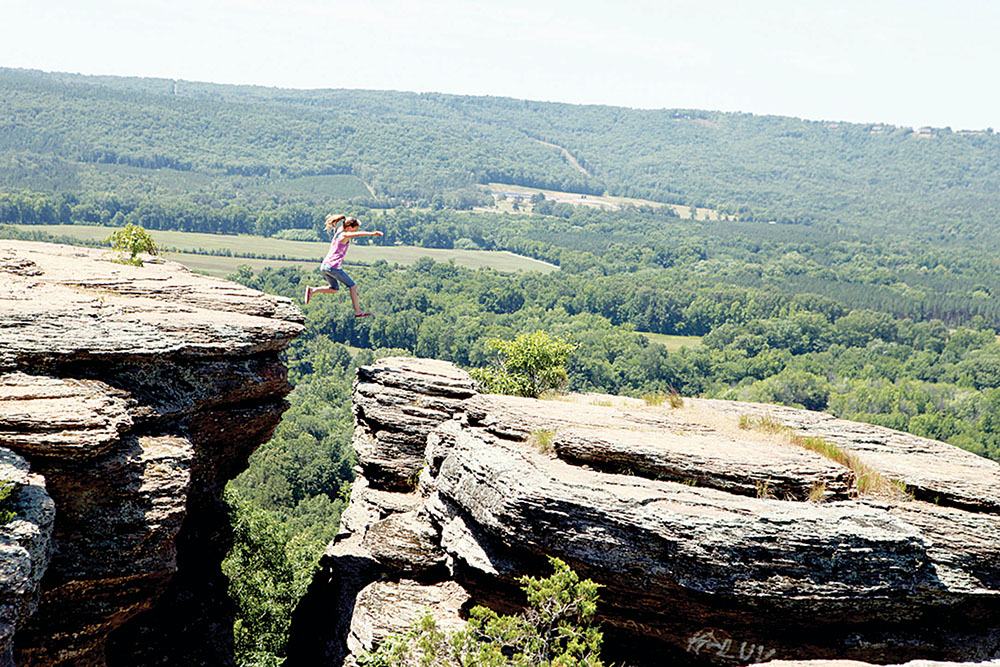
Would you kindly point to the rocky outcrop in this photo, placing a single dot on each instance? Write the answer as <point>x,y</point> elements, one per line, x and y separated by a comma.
<point>136,394</point>
<point>25,538</point>
<point>714,544</point>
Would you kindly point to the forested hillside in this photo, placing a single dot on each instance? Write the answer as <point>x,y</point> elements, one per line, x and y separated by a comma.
<point>239,145</point>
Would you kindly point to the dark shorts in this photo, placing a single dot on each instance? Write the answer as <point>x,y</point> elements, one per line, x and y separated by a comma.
<point>332,275</point>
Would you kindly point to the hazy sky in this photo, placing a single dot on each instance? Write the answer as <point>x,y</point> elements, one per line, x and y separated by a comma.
<point>905,62</point>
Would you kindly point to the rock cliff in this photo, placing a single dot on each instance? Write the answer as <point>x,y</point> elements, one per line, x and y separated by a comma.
<point>722,533</point>
<point>133,394</point>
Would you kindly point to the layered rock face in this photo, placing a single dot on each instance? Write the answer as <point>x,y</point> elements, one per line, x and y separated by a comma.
<point>135,394</point>
<point>25,547</point>
<point>714,544</point>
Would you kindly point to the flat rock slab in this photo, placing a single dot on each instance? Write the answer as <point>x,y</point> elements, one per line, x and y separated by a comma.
<point>56,417</point>
<point>934,471</point>
<point>663,444</point>
<point>74,302</point>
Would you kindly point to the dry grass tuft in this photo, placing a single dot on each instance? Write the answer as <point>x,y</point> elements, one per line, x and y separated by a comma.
<point>671,396</point>
<point>764,490</point>
<point>817,493</point>
<point>675,399</point>
<point>767,424</point>
<point>543,440</point>
<point>655,398</point>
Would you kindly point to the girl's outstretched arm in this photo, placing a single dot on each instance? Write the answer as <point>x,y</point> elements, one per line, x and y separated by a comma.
<point>355,235</point>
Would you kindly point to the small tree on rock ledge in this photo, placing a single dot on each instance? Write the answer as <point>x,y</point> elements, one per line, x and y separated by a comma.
<point>526,366</point>
<point>131,239</point>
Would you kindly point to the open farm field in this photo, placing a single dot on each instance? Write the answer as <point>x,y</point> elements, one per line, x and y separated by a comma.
<point>222,267</point>
<point>672,343</point>
<point>521,195</point>
<point>308,251</point>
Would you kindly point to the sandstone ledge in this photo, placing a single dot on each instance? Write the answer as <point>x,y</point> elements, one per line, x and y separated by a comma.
<point>136,393</point>
<point>700,532</point>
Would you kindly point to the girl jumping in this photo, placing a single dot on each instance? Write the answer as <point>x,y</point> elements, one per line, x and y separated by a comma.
<point>343,229</point>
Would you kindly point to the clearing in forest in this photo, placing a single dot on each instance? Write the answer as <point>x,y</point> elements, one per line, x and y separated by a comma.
<point>521,196</point>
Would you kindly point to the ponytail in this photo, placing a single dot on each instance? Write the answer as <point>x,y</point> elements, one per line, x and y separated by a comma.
<point>334,223</point>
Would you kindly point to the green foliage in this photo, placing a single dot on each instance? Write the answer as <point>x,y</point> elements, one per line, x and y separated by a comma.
<point>129,241</point>
<point>555,630</point>
<point>7,490</point>
<point>115,134</point>
<point>268,572</point>
<point>496,381</point>
<point>528,365</point>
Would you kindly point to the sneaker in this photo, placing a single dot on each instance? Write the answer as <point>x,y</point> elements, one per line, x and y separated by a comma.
<point>362,314</point>
<point>309,293</point>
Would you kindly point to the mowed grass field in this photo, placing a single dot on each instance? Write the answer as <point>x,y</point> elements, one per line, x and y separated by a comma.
<point>226,266</point>
<point>602,201</point>
<point>672,343</point>
<point>296,252</point>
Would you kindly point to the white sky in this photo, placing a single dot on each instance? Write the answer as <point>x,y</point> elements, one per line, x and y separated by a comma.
<point>905,62</point>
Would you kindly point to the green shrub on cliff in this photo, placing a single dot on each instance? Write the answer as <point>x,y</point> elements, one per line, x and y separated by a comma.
<point>554,631</point>
<point>7,489</point>
<point>526,366</point>
<point>130,240</point>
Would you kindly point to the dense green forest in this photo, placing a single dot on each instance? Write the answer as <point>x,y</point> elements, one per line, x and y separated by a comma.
<point>860,277</point>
